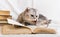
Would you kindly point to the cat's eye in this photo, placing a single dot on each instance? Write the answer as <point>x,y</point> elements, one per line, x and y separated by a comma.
<point>32,15</point>
<point>36,16</point>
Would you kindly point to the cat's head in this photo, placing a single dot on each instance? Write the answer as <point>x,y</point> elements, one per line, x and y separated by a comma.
<point>30,14</point>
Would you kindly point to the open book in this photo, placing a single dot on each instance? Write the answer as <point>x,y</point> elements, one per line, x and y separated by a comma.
<point>34,29</point>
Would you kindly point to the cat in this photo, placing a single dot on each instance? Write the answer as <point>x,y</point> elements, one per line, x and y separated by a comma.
<point>28,17</point>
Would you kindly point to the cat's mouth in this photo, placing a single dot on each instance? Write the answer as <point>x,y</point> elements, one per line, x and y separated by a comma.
<point>34,21</point>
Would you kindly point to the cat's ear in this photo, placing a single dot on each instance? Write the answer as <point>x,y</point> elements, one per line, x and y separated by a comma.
<point>26,10</point>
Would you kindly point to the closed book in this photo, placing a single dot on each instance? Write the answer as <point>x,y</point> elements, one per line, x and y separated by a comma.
<point>3,22</point>
<point>6,13</point>
<point>3,18</point>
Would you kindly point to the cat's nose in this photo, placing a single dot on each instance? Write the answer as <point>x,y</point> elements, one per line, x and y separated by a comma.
<point>34,21</point>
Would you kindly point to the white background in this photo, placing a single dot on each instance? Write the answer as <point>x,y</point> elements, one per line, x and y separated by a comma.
<point>49,8</point>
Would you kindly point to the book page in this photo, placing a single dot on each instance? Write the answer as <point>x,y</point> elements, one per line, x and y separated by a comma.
<point>10,21</point>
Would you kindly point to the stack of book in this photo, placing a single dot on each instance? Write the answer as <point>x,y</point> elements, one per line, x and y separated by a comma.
<point>3,17</point>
